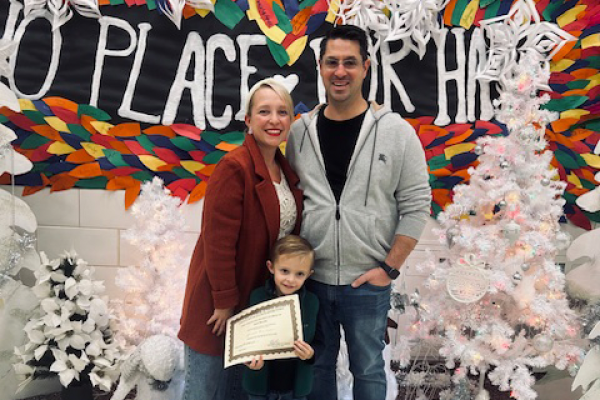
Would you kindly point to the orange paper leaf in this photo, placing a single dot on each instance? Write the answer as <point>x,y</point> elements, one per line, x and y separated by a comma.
<point>131,193</point>
<point>80,156</point>
<point>197,193</point>
<point>127,129</point>
<point>160,130</point>
<point>60,102</point>
<point>48,132</point>
<point>86,170</point>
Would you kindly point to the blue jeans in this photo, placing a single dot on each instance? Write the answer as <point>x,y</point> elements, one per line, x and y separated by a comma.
<point>205,378</point>
<point>362,312</point>
<point>276,396</point>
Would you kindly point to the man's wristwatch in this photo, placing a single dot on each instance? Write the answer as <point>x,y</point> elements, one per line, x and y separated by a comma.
<point>393,273</point>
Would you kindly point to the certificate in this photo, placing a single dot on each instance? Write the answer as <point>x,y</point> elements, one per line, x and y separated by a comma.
<point>269,329</point>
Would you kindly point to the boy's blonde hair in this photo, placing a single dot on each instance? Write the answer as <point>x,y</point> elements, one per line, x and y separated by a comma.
<point>278,88</point>
<point>292,245</point>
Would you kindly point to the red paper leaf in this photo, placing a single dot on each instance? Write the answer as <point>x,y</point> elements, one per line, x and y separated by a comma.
<point>189,131</point>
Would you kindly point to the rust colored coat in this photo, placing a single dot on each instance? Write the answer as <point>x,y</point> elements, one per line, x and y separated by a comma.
<point>240,223</point>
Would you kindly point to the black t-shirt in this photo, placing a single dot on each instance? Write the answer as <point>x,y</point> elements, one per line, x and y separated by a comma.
<point>337,140</point>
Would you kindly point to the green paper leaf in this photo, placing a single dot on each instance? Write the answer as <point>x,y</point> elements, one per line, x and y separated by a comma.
<point>438,162</point>
<point>142,176</point>
<point>459,10</point>
<point>284,21</point>
<point>491,11</point>
<point>183,143</point>
<point>307,3</point>
<point>115,158</point>
<point>592,216</point>
<point>578,84</point>
<point>145,143</point>
<point>587,184</point>
<point>98,182</point>
<point>213,157</point>
<point>436,209</point>
<point>549,10</point>
<point>594,62</point>
<point>151,4</point>
<point>228,13</point>
<point>278,52</point>
<point>592,125</point>
<point>437,184</point>
<point>34,141</point>
<point>184,174</point>
<point>3,119</point>
<point>235,137</point>
<point>485,3</point>
<point>567,161</point>
<point>211,137</point>
<point>566,103</point>
<point>39,167</point>
<point>80,131</point>
<point>117,2</point>
<point>569,197</point>
<point>96,113</point>
<point>35,116</point>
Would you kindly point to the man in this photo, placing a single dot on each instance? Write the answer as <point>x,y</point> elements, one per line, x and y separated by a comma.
<point>365,182</point>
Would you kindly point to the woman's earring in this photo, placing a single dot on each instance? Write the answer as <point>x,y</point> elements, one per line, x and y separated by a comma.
<point>250,131</point>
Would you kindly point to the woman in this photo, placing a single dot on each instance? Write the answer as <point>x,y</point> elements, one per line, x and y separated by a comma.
<point>251,199</point>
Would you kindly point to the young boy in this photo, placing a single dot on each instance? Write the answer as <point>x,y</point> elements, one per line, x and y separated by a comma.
<point>291,263</point>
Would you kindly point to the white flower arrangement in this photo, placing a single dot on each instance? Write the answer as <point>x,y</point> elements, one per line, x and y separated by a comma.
<point>70,334</point>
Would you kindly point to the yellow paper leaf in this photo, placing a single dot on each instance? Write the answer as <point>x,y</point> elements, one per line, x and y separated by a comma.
<point>561,65</point>
<point>573,114</point>
<point>192,166</point>
<point>27,105</point>
<point>60,148</point>
<point>93,149</point>
<point>590,41</point>
<point>570,15</point>
<point>295,49</point>
<point>592,160</point>
<point>466,21</point>
<point>594,81</point>
<point>574,180</point>
<point>153,163</point>
<point>202,12</point>
<point>458,149</point>
<point>57,124</point>
<point>333,8</point>
<point>101,126</point>
<point>274,33</point>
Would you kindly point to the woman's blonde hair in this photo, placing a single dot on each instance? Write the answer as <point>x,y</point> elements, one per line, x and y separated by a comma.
<point>278,88</point>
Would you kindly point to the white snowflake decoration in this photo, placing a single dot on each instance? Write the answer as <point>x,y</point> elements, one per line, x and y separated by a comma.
<point>516,35</point>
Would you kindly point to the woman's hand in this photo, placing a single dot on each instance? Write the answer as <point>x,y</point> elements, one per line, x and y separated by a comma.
<point>219,318</point>
<point>256,363</point>
<point>303,350</point>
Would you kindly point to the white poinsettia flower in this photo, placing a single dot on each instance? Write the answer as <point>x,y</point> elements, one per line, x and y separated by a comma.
<point>93,349</point>
<point>58,277</point>
<point>100,378</point>
<point>36,336</point>
<point>99,312</point>
<point>40,351</point>
<point>23,369</point>
<point>42,290</point>
<point>70,334</point>
<point>68,366</point>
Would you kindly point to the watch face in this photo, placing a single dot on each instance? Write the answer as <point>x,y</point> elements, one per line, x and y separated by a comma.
<point>393,273</point>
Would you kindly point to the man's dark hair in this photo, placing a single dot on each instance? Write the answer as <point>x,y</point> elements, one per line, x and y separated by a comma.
<point>347,32</point>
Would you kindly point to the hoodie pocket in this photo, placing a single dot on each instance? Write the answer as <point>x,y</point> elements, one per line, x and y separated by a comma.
<point>318,228</point>
<point>364,239</point>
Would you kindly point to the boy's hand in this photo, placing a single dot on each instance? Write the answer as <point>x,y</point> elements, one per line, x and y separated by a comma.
<point>303,350</point>
<point>219,318</point>
<point>256,363</point>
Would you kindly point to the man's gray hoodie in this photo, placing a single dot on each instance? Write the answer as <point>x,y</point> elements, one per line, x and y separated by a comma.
<point>387,193</point>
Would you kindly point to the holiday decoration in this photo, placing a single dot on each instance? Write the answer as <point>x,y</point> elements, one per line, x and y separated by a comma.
<point>154,369</point>
<point>70,334</point>
<point>153,290</point>
<point>588,376</point>
<point>523,320</point>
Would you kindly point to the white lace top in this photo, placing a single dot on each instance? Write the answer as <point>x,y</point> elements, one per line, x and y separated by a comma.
<point>287,207</point>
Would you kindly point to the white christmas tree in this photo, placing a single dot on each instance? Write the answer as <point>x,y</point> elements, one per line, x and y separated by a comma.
<point>153,290</point>
<point>497,303</point>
